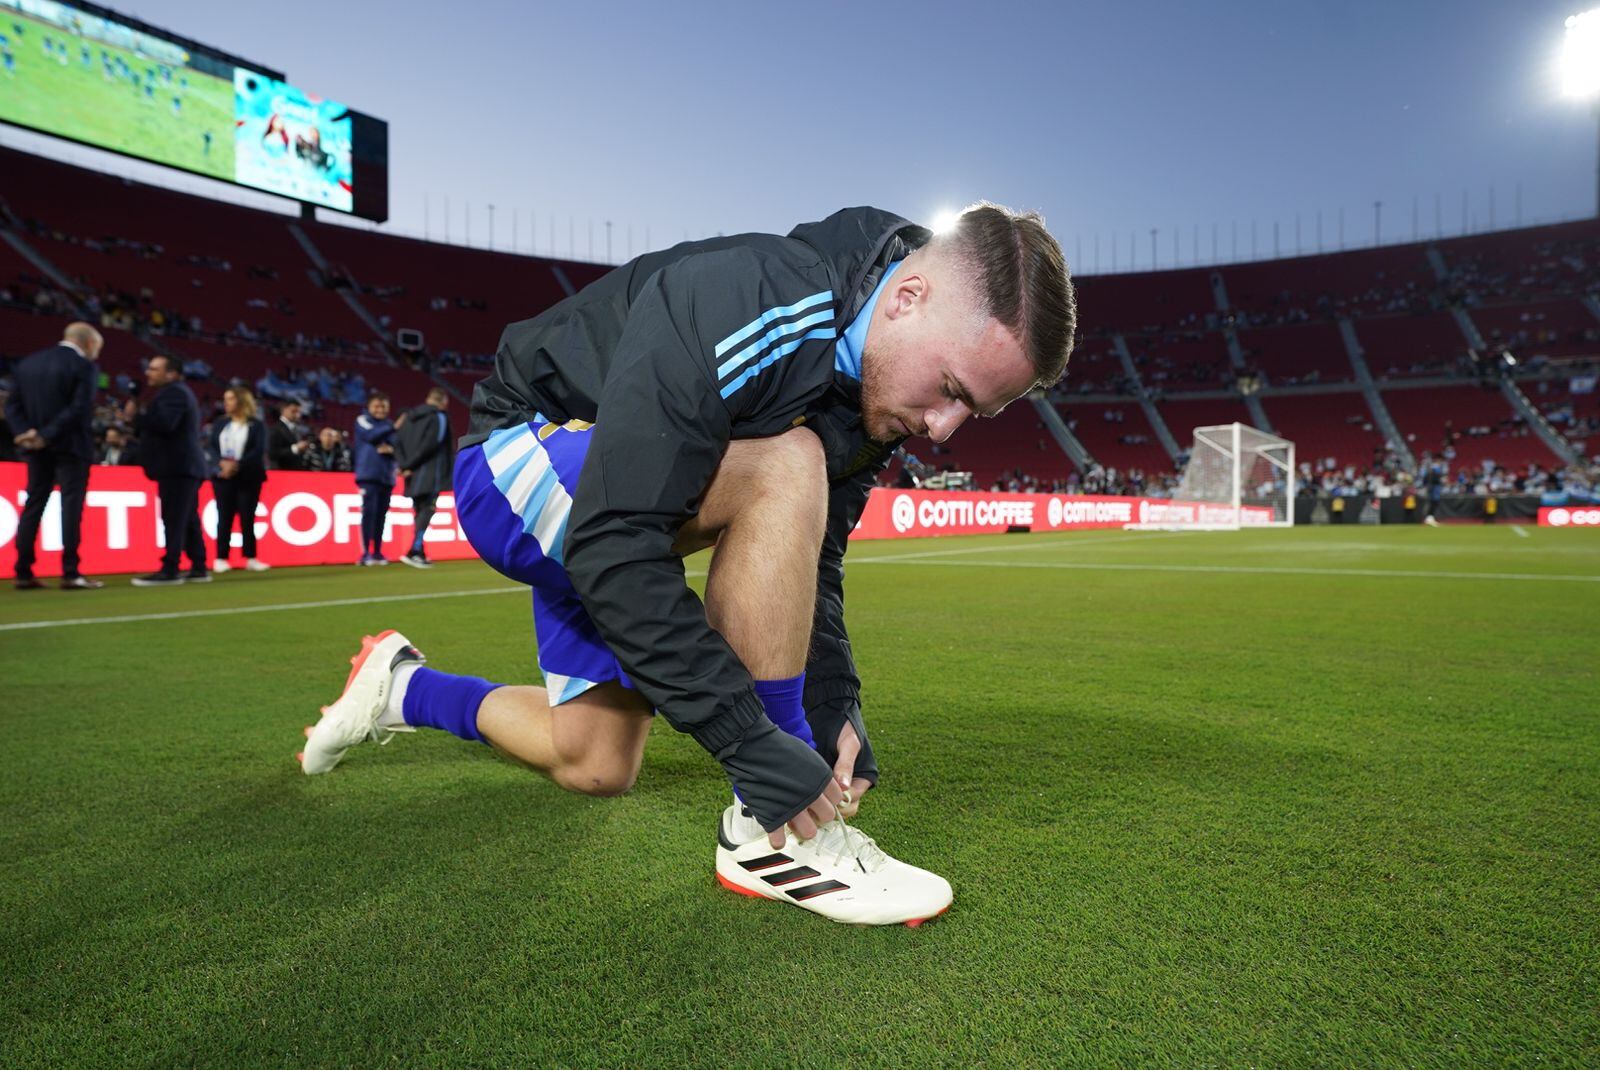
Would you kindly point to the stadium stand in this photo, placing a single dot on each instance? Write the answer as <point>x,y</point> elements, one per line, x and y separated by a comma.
<point>1304,353</point>
<point>1328,425</point>
<point>1475,421</point>
<point>301,306</point>
<point>1117,434</point>
<point>1551,329</point>
<point>1399,347</point>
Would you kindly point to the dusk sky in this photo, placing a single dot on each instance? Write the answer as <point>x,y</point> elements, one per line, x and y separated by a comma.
<point>1111,118</point>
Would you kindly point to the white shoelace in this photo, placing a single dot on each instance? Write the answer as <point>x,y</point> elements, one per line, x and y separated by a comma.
<point>844,841</point>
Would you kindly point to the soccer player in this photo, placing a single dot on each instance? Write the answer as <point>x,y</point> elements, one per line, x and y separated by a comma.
<point>741,392</point>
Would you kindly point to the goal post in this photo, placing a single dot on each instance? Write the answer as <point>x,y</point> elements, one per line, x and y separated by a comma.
<point>1237,477</point>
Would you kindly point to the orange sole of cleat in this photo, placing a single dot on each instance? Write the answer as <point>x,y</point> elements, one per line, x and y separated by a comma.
<point>367,643</point>
<point>916,922</point>
<point>732,887</point>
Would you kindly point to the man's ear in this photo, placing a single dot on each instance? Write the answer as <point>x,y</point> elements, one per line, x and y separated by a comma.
<point>904,294</point>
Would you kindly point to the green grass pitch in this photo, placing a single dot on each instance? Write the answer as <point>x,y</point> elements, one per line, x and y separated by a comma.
<point>1324,797</point>
<point>77,101</point>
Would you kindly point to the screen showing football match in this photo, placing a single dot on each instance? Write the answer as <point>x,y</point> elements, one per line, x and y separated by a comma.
<point>71,72</point>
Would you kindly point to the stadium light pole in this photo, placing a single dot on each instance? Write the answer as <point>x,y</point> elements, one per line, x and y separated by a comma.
<point>1580,72</point>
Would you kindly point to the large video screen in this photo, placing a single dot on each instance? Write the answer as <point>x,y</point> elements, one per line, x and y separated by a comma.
<point>78,73</point>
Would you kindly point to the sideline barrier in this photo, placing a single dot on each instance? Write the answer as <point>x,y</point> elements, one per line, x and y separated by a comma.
<point>314,518</point>
<point>907,514</point>
<point>1574,516</point>
<point>304,518</point>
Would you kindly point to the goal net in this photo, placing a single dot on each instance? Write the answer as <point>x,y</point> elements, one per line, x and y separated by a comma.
<point>1237,477</point>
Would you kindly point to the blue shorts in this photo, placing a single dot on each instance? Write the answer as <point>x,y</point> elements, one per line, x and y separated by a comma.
<point>513,495</point>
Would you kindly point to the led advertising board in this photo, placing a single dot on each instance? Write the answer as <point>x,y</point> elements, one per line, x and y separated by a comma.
<point>88,75</point>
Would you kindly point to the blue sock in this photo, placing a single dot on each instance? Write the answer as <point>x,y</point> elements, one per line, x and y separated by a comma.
<point>782,698</point>
<point>439,700</point>
<point>785,708</point>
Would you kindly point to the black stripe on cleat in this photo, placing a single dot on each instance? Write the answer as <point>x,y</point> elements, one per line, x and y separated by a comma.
<point>765,862</point>
<point>810,891</point>
<point>789,876</point>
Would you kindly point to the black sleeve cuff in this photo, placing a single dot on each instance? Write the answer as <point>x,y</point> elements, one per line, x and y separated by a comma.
<point>775,773</point>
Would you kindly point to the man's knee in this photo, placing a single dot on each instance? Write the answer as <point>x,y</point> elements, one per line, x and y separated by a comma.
<point>602,776</point>
<point>600,738</point>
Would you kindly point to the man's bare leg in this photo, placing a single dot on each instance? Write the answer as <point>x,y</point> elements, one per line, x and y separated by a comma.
<point>764,511</point>
<point>591,744</point>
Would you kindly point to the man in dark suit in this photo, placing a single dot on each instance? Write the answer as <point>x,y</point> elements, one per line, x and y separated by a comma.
<point>288,440</point>
<point>49,412</point>
<point>425,454</point>
<point>169,451</point>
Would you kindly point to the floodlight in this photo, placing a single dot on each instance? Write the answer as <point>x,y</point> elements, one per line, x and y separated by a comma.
<point>945,221</point>
<point>1580,55</point>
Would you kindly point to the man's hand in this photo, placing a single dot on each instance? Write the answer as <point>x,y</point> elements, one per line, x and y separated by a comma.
<point>227,468</point>
<point>386,449</point>
<point>848,747</point>
<point>29,440</point>
<point>823,809</point>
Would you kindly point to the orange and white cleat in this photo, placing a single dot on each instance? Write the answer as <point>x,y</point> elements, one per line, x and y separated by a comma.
<point>840,873</point>
<point>353,717</point>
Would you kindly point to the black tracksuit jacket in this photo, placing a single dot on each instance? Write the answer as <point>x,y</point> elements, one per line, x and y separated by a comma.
<point>672,356</point>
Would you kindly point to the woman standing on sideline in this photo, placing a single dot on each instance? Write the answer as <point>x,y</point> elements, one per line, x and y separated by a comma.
<point>239,441</point>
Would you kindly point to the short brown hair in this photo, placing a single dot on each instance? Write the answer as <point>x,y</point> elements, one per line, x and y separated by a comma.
<point>1021,276</point>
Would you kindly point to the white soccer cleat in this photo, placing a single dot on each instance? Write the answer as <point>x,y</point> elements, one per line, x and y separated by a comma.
<point>353,716</point>
<point>219,566</point>
<point>840,873</point>
<point>253,565</point>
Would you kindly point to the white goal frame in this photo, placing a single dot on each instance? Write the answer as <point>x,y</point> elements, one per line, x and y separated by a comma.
<point>1197,506</point>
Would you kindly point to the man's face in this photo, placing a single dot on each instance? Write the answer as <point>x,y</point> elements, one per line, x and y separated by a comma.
<point>329,437</point>
<point>930,363</point>
<point>291,413</point>
<point>378,408</point>
<point>113,437</point>
<point>156,372</point>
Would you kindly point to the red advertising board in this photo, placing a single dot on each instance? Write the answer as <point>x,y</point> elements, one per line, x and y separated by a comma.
<point>305,518</point>
<point>314,518</point>
<point>1570,516</point>
<point>905,514</point>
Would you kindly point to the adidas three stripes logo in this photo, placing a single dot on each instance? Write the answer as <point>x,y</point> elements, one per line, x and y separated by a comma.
<point>792,876</point>
<point>770,337</point>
